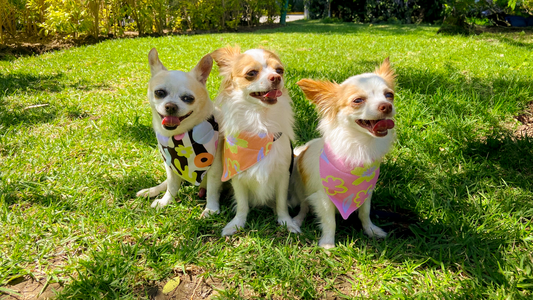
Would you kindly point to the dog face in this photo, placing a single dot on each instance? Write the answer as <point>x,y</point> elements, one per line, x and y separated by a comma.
<point>364,102</point>
<point>178,99</point>
<point>257,74</point>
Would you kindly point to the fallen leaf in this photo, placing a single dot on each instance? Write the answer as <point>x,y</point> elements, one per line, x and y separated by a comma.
<point>171,285</point>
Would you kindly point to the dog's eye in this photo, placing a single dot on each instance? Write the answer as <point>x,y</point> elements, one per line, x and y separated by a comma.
<point>160,93</point>
<point>251,74</point>
<point>280,71</point>
<point>389,96</point>
<point>187,98</point>
<point>358,100</point>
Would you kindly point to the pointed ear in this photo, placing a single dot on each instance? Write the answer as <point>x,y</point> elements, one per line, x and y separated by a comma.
<point>155,64</point>
<point>203,68</point>
<point>386,73</point>
<point>318,91</point>
<point>225,56</point>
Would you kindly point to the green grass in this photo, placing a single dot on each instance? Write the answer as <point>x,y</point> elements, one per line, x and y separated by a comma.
<point>458,182</point>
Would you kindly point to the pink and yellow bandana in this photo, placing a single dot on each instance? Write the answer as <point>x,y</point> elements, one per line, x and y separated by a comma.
<point>347,188</point>
<point>243,150</point>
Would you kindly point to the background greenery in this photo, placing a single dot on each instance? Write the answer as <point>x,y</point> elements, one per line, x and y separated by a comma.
<point>455,193</point>
<point>113,17</point>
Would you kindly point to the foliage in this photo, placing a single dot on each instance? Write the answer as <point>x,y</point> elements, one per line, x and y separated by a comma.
<point>378,11</point>
<point>113,17</point>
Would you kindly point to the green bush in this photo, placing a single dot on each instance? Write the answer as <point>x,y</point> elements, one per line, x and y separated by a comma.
<point>73,18</point>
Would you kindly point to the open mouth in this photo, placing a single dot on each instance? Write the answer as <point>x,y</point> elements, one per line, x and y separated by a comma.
<point>378,128</point>
<point>269,97</point>
<point>172,122</point>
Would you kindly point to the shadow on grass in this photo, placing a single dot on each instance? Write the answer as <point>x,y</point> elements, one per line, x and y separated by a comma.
<point>23,85</point>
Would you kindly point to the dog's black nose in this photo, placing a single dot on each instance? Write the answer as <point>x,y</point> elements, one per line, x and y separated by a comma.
<point>171,108</point>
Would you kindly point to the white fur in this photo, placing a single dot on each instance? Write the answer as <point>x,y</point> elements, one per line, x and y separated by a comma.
<point>265,183</point>
<point>178,83</point>
<point>350,142</point>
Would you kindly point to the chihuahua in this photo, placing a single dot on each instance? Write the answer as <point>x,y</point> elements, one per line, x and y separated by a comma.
<point>187,131</point>
<point>338,172</point>
<point>257,125</point>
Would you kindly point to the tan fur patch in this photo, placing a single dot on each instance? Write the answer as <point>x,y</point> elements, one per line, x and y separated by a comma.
<point>387,73</point>
<point>303,174</point>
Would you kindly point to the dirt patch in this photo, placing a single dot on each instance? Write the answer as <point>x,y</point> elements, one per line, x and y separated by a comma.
<point>26,288</point>
<point>526,120</point>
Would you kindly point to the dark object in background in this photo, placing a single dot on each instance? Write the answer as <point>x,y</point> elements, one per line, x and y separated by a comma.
<point>498,18</point>
<point>529,21</point>
<point>516,21</point>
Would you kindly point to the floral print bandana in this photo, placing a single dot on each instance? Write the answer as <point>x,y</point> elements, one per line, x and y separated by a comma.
<point>242,151</point>
<point>347,188</point>
<point>191,154</point>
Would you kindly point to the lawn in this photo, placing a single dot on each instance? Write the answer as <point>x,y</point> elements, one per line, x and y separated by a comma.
<point>456,192</point>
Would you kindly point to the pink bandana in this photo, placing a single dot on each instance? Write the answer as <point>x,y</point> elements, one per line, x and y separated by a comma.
<point>347,188</point>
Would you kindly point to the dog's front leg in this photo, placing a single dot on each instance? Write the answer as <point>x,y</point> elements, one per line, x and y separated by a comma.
<point>173,186</point>
<point>241,197</point>
<point>282,207</point>
<point>325,210</point>
<point>214,183</point>
<point>370,229</point>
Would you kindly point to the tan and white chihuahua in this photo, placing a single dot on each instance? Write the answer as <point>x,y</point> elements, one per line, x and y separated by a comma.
<point>257,125</point>
<point>338,172</point>
<point>187,131</point>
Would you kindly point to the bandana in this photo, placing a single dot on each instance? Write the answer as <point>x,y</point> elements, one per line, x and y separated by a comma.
<point>243,150</point>
<point>191,154</point>
<point>347,188</point>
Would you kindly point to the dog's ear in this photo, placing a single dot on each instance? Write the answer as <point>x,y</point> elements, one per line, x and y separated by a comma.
<point>225,56</point>
<point>155,64</point>
<point>318,91</point>
<point>203,68</point>
<point>386,73</point>
<point>321,93</point>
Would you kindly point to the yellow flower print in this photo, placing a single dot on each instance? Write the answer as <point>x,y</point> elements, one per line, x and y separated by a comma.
<point>334,185</point>
<point>184,151</point>
<point>185,174</point>
<point>361,197</point>
<point>232,167</point>
<point>233,142</point>
<point>365,173</point>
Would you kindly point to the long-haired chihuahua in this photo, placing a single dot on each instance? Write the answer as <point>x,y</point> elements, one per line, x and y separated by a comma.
<point>338,172</point>
<point>257,125</point>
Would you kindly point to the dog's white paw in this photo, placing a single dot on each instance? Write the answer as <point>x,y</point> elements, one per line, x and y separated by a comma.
<point>327,242</point>
<point>291,225</point>
<point>298,220</point>
<point>160,203</point>
<point>143,193</point>
<point>233,226</point>
<point>375,232</point>
<point>208,212</point>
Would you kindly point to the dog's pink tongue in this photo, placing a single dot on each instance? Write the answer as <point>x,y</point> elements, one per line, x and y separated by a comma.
<point>383,125</point>
<point>273,94</point>
<point>170,121</point>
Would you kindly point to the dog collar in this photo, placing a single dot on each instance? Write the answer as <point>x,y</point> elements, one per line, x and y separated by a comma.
<point>348,188</point>
<point>191,154</point>
<point>243,150</point>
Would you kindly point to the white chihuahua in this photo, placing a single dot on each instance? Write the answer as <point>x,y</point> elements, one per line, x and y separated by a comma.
<point>338,172</point>
<point>184,123</point>
<point>257,125</point>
